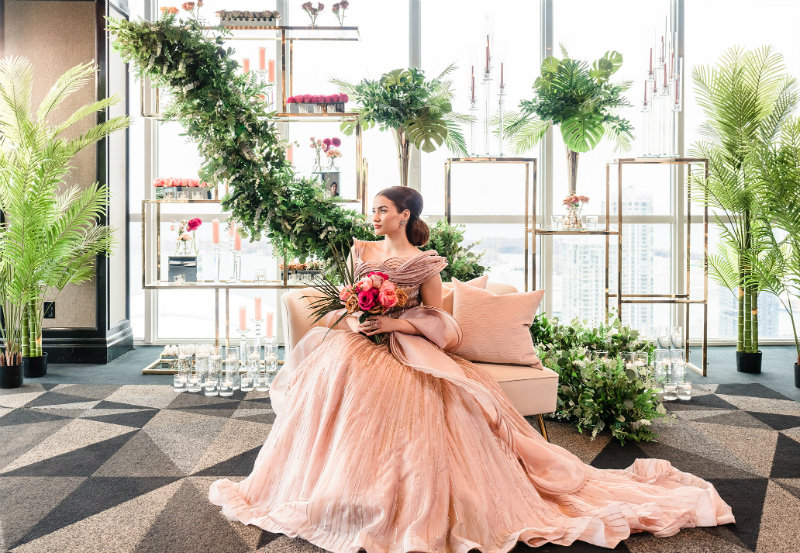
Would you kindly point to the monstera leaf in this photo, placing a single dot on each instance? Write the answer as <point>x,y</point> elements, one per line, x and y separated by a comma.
<point>582,132</point>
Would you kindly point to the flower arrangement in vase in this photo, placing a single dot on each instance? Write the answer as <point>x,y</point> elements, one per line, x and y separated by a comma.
<point>322,146</point>
<point>186,243</point>
<point>338,10</point>
<point>574,204</point>
<point>313,12</point>
<point>333,154</point>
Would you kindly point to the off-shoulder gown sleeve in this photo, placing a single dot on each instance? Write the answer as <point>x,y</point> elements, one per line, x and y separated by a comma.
<point>406,447</point>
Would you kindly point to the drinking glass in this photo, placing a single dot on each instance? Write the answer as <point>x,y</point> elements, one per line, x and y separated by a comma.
<point>591,222</point>
<point>213,374</point>
<point>685,390</point>
<point>181,377</point>
<point>661,368</point>
<point>194,380</point>
<point>676,337</point>
<point>270,362</point>
<point>663,337</point>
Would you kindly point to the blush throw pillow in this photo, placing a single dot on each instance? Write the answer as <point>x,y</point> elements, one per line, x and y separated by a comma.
<point>496,327</point>
<point>447,291</point>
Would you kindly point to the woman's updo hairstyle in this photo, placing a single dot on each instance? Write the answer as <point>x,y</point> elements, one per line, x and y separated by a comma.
<point>404,198</point>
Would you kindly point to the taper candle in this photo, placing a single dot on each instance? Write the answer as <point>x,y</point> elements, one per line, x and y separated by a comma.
<point>242,318</point>
<point>501,74</point>
<point>246,65</point>
<point>473,83</point>
<point>651,61</point>
<point>645,92</point>
<point>268,325</point>
<point>290,153</point>
<point>271,71</point>
<point>237,242</point>
<point>262,58</point>
<point>488,55</point>
<point>258,309</point>
<point>215,231</point>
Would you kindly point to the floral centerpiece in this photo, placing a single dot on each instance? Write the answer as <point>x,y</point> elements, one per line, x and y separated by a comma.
<point>338,10</point>
<point>574,204</point>
<point>323,146</point>
<point>313,12</point>
<point>333,154</point>
<point>169,187</point>
<point>186,243</point>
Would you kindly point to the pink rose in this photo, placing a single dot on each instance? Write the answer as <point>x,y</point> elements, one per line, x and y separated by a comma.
<point>336,141</point>
<point>345,293</point>
<point>387,296</point>
<point>194,224</point>
<point>365,284</point>
<point>290,100</point>
<point>366,300</point>
<point>376,279</point>
<point>306,98</point>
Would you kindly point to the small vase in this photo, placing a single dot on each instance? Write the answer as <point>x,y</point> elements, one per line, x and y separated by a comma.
<point>573,219</point>
<point>318,162</point>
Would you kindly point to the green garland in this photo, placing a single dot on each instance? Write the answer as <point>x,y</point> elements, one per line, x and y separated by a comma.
<point>221,112</point>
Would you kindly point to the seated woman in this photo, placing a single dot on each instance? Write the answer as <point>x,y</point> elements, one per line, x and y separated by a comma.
<point>403,447</point>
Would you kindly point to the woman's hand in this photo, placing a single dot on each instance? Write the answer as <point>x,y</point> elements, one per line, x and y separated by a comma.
<point>378,324</point>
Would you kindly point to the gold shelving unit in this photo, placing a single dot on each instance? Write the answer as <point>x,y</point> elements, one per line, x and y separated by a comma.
<point>685,297</point>
<point>530,165</point>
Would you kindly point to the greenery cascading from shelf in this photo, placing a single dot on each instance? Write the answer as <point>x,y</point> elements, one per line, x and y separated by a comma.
<point>221,111</point>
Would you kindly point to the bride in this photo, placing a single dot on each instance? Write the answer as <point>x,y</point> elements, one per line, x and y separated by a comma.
<point>403,447</point>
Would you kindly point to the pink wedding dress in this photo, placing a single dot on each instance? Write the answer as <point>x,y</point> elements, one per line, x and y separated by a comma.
<point>402,447</point>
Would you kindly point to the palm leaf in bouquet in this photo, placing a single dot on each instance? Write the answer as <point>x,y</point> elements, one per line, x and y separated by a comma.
<point>328,298</point>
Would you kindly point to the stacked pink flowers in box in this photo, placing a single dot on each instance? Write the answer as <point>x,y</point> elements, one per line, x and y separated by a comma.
<point>176,188</point>
<point>317,103</point>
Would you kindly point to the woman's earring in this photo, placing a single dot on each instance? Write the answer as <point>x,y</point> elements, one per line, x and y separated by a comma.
<point>403,223</point>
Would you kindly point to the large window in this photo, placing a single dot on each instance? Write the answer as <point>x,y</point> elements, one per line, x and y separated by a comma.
<point>489,199</point>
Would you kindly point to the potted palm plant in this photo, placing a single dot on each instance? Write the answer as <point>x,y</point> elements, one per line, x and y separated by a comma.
<point>581,100</point>
<point>777,166</point>
<point>11,358</point>
<point>746,99</point>
<point>50,233</point>
<point>418,111</point>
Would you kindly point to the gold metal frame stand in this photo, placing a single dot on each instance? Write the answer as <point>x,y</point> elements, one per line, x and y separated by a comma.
<point>684,298</point>
<point>530,164</point>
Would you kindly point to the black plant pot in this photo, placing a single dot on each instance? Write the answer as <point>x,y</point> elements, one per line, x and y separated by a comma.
<point>748,362</point>
<point>34,367</point>
<point>11,376</point>
<point>797,374</point>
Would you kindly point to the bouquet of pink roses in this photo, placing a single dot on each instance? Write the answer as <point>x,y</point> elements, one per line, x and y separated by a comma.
<point>374,294</point>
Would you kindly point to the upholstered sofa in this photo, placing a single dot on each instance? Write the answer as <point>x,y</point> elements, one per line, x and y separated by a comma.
<point>532,391</point>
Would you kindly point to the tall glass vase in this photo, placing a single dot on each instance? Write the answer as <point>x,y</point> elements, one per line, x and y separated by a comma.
<point>403,155</point>
<point>572,171</point>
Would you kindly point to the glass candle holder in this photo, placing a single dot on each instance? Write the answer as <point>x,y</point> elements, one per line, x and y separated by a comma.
<point>213,374</point>
<point>181,377</point>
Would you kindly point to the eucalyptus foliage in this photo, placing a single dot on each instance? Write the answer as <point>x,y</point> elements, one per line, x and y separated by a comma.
<point>595,395</point>
<point>418,111</point>
<point>578,98</point>
<point>747,99</point>
<point>222,113</point>
<point>462,262</point>
<point>49,237</point>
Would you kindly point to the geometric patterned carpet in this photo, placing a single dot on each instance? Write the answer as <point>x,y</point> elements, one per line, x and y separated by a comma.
<point>88,468</point>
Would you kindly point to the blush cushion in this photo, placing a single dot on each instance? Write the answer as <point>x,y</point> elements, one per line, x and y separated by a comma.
<point>496,328</point>
<point>447,290</point>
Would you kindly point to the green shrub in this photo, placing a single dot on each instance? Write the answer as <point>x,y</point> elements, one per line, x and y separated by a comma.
<point>593,394</point>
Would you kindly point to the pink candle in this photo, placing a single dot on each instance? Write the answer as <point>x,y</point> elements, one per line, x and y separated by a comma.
<point>290,153</point>
<point>268,325</point>
<point>258,309</point>
<point>215,231</point>
<point>645,92</point>
<point>501,74</point>
<point>246,65</point>
<point>272,71</point>
<point>651,61</point>
<point>665,74</point>
<point>242,318</point>
<point>473,83</point>
<point>262,58</point>
<point>487,53</point>
<point>237,242</point>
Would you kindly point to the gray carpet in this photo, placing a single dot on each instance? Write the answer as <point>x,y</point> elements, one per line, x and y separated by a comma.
<point>112,468</point>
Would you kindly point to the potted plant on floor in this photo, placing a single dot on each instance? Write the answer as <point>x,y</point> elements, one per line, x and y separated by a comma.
<point>416,110</point>
<point>777,167</point>
<point>11,358</point>
<point>746,99</point>
<point>581,100</point>
<point>51,234</point>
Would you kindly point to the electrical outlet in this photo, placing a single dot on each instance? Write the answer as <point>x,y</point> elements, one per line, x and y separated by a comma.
<point>49,310</point>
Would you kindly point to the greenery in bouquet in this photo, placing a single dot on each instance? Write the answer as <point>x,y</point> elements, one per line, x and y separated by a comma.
<point>596,394</point>
<point>223,112</point>
<point>418,111</point>
<point>448,241</point>
<point>578,98</point>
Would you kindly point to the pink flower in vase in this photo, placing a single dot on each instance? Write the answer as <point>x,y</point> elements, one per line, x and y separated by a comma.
<point>336,141</point>
<point>194,224</point>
